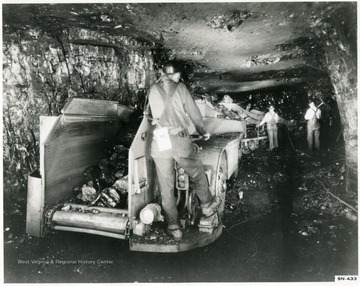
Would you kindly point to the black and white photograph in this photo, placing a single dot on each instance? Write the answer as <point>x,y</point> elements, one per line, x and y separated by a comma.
<point>180,142</point>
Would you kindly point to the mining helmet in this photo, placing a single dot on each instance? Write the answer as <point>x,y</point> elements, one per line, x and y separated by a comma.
<point>172,67</point>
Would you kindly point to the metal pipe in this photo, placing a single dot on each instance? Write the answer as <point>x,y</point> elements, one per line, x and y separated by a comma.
<point>101,221</point>
<point>90,231</point>
<point>100,209</point>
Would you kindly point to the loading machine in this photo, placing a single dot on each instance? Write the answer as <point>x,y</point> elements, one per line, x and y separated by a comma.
<point>76,139</point>
<point>252,137</point>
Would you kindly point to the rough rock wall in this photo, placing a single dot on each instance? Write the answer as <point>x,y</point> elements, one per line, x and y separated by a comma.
<point>337,29</point>
<point>41,71</point>
<point>343,76</point>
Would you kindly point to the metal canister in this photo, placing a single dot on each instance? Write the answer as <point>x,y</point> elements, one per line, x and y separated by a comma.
<point>151,213</point>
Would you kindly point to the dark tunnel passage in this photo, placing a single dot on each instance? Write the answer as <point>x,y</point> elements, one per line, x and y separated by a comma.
<point>290,214</point>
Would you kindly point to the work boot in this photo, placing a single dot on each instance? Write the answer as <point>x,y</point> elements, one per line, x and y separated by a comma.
<point>175,233</point>
<point>209,208</point>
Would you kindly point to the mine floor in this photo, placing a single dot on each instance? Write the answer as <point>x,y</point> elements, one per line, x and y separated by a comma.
<point>286,227</point>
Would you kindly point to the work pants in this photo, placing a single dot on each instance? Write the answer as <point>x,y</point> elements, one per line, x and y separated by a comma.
<point>165,168</point>
<point>313,135</point>
<point>273,138</point>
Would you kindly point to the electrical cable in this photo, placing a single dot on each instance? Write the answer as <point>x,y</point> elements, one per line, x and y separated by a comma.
<point>292,145</point>
<point>247,220</point>
<point>336,197</point>
<point>341,131</point>
<point>239,239</point>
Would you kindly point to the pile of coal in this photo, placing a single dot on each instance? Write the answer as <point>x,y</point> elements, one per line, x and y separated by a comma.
<point>229,114</point>
<point>108,197</point>
<point>225,112</point>
<point>112,196</point>
<point>88,193</point>
<point>105,184</point>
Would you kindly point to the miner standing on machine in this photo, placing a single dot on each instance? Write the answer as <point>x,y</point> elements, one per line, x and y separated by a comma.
<point>170,102</point>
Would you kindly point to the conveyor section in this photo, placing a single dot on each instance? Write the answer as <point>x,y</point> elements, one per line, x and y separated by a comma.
<point>95,220</point>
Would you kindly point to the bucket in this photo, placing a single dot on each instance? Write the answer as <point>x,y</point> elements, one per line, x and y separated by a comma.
<point>151,213</point>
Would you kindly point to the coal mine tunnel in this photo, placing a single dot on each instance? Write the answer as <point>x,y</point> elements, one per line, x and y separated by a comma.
<point>288,214</point>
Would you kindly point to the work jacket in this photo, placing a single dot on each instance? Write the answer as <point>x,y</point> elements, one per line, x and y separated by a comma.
<point>172,106</point>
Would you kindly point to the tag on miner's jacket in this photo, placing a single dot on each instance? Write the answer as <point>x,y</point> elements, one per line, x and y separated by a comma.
<point>163,139</point>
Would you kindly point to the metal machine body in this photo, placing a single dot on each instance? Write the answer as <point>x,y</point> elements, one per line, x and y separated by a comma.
<point>69,143</point>
<point>252,137</point>
<point>76,139</point>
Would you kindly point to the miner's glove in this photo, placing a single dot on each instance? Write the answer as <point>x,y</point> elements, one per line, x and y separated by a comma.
<point>206,136</point>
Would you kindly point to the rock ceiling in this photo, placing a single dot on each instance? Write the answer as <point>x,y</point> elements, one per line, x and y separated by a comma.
<point>226,42</point>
